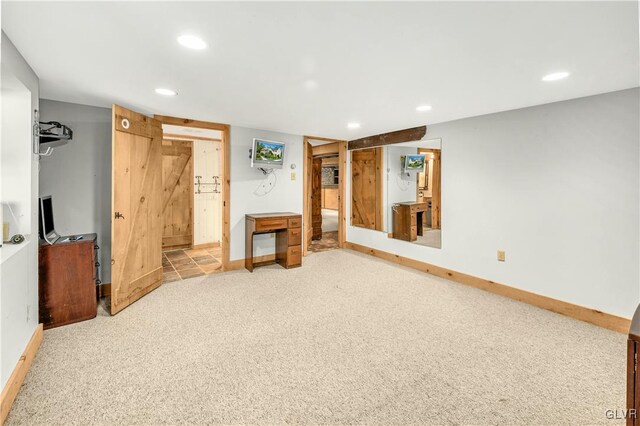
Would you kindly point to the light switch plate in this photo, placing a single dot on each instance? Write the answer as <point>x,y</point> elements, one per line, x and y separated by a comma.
<point>501,255</point>
<point>293,175</point>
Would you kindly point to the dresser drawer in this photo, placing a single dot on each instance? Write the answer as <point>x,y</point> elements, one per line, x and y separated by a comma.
<point>268,224</point>
<point>295,223</point>
<point>294,256</point>
<point>295,237</point>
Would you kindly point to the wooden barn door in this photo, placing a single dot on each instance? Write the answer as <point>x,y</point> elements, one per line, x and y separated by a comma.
<point>316,199</point>
<point>366,188</point>
<point>177,197</point>
<point>136,223</point>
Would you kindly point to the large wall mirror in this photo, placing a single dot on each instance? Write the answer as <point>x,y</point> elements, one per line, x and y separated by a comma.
<point>414,192</point>
<point>397,189</point>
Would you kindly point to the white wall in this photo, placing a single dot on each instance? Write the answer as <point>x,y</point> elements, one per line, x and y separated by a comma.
<point>248,186</point>
<point>17,125</point>
<point>19,272</point>
<point>78,175</point>
<point>207,206</point>
<point>556,186</point>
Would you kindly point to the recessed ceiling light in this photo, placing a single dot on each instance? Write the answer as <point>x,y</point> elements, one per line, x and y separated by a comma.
<point>353,125</point>
<point>192,42</point>
<point>166,92</point>
<point>311,84</point>
<point>555,76</point>
<point>423,108</point>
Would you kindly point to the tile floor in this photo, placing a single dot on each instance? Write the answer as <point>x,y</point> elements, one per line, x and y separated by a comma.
<point>329,241</point>
<point>187,263</point>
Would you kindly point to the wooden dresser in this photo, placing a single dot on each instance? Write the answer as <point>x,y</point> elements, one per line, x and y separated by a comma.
<point>288,230</point>
<point>68,274</point>
<point>408,220</point>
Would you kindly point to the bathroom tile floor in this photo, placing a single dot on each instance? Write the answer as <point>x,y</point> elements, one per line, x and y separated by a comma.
<point>188,263</point>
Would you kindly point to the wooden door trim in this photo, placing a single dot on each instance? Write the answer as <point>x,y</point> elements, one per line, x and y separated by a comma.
<point>342,191</point>
<point>342,187</point>
<point>225,166</point>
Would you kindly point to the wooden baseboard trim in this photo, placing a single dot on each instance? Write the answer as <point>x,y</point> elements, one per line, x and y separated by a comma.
<point>593,316</point>
<point>239,263</point>
<point>206,245</point>
<point>12,387</point>
<point>104,290</point>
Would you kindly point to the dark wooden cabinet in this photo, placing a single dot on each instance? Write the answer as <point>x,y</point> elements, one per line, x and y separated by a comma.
<point>68,274</point>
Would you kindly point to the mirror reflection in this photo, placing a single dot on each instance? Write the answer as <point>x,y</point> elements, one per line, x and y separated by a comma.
<point>414,192</point>
<point>367,188</point>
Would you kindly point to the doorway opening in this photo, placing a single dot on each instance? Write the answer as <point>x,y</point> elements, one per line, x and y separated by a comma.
<point>194,203</point>
<point>324,194</point>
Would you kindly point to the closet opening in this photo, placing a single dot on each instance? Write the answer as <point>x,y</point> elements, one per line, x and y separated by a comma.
<point>195,198</point>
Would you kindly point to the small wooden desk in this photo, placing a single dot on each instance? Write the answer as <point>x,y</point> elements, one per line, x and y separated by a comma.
<point>407,220</point>
<point>288,230</point>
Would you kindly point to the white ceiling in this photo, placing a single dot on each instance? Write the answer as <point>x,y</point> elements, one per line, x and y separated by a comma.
<point>373,63</point>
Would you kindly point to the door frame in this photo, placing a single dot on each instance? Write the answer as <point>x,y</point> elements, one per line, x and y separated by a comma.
<point>342,188</point>
<point>225,129</point>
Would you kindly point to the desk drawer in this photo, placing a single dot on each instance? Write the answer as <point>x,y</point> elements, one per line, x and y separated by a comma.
<point>295,237</point>
<point>295,223</point>
<point>414,233</point>
<point>294,256</point>
<point>268,224</point>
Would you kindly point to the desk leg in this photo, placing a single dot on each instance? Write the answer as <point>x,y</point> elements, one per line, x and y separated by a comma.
<point>282,243</point>
<point>248,245</point>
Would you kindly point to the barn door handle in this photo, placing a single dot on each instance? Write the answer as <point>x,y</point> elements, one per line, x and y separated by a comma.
<point>119,215</point>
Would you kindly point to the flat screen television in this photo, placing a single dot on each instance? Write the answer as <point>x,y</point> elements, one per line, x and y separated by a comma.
<point>47,228</point>
<point>267,154</point>
<point>413,163</point>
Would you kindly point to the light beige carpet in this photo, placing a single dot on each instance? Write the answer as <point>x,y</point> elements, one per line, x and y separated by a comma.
<point>345,339</point>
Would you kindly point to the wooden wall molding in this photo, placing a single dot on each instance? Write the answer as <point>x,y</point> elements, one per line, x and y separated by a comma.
<point>206,245</point>
<point>399,136</point>
<point>14,383</point>
<point>593,316</point>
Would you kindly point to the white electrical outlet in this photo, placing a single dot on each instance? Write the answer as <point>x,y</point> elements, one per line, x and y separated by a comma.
<point>501,256</point>
<point>293,175</point>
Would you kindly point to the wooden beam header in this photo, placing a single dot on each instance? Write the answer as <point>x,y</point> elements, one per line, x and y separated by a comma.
<point>399,136</point>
